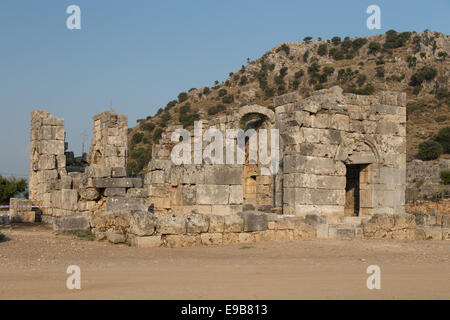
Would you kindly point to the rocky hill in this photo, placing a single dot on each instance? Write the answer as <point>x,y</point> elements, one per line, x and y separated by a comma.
<point>416,63</point>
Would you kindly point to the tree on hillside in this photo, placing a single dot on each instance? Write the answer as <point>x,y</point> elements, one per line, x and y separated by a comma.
<point>10,187</point>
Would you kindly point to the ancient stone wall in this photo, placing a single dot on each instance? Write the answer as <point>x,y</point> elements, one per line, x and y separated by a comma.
<point>324,138</point>
<point>329,133</point>
<point>424,181</point>
<point>208,187</point>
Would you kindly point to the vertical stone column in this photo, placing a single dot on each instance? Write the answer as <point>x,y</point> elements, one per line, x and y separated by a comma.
<point>109,145</point>
<point>47,159</point>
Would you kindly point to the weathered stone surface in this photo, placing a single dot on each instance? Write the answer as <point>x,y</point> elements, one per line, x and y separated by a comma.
<point>170,224</point>
<point>147,242</point>
<point>142,224</point>
<point>98,172</point>
<point>115,192</point>
<point>216,223</point>
<point>117,183</point>
<point>212,194</point>
<point>137,193</point>
<point>223,175</point>
<point>126,204</point>
<point>89,194</point>
<point>197,223</point>
<point>254,221</point>
<point>118,172</point>
<point>400,227</point>
<point>177,241</point>
<point>71,224</point>
<point>233,223</point>
<point>115,238</point>
<point>211,239</point>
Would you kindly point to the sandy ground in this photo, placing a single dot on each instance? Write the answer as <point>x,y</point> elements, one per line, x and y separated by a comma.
<point>33,265</point>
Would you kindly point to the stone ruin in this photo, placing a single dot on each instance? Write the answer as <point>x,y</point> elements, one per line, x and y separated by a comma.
<point>341,175</point>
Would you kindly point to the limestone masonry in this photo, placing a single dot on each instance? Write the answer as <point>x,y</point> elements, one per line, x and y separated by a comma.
<point>342,174</point>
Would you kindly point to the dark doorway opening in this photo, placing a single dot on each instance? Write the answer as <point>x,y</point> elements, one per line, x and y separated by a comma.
<point>352,189</point>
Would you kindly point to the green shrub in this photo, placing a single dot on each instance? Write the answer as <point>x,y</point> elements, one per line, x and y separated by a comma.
<point>206,91</point>
<point>9,187</point>
<point>307,39</point>
<point>137,138</point>
<point>336,54</point>
<point>222,92</point>
<point>228,99</point>
<point>313,68</point>
<point>157,135</point>
<point>269,92</point>
<point>216,109</point>
<point>147,126</point>
<point>2,237</point>
<point>443,137</point>
<point>141,157</point>
<point>171,104</point>
<point>441,118</point>
<point>374,47</point>
<point>243,81</point>
<point>429,150</point>
<point>306,56</point>
<point>185,108</point>
<point>295,84</point>
<point>380,72</point>
<point>426,73</point>
<point>380,60</point>
<point>395,39</point>
<point>358,43</point>
<point>322,50</point>
<point>182,97</point>
<point>445,177</point>
<point>336,40</point>
<point>284,47</point>
<point>361,79</point>
<point>299,74</point>
<point>187,120</point>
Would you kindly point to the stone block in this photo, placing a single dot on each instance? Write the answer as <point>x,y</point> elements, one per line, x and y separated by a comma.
<point>115,192</point>
<point>236,194</point>
<point>115,238</point>
<point>216,223</point>
<point>254,221</point>
<point>188,195</point>
<point>178,241</point>
<point>212,194</point>
<point>118,172</point>
<point>233,223</point>
<point>89,194</point>
<point>147,242</point>
<point>230,238</point>
<point>170,224</point>
<point>211,239</point>
<point>71,224</point>
<point>69,200</point>
<point>246,237</point>
<point>126,204</point>
<point>117,183</point>
<point>197,223</point>
<point>223,175</point>
<point>142,223</point>
<point>98,172</point>
<point>137,193</point>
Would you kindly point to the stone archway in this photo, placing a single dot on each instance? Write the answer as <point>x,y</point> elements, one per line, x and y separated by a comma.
<point>258,189</point>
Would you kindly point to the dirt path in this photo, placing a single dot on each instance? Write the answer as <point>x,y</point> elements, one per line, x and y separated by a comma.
<point>33,266</point>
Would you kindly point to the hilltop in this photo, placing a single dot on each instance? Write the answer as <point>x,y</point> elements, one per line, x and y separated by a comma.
<point>415,63</point>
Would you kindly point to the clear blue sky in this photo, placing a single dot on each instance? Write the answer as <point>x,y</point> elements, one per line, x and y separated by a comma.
<point>141,53</point>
